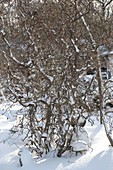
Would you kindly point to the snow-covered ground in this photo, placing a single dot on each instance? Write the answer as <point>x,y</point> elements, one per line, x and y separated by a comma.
<point>100,157</point>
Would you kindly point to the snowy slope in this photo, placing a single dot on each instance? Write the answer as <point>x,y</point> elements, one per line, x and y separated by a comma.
<point>101,157</point>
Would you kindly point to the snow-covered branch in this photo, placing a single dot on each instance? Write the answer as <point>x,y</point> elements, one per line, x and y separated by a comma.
<point>75,46</point>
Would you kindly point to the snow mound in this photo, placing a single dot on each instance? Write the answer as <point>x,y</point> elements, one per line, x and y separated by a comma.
<point>79,146</point>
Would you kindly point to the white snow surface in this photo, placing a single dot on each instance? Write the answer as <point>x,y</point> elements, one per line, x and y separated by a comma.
<point>99,158</point>
<point>79,145</point>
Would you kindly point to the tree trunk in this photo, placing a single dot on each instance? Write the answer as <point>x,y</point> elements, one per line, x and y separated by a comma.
<point>99,79</point>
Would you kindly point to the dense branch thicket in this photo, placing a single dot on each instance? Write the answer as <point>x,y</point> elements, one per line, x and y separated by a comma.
<point>46,50</point>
